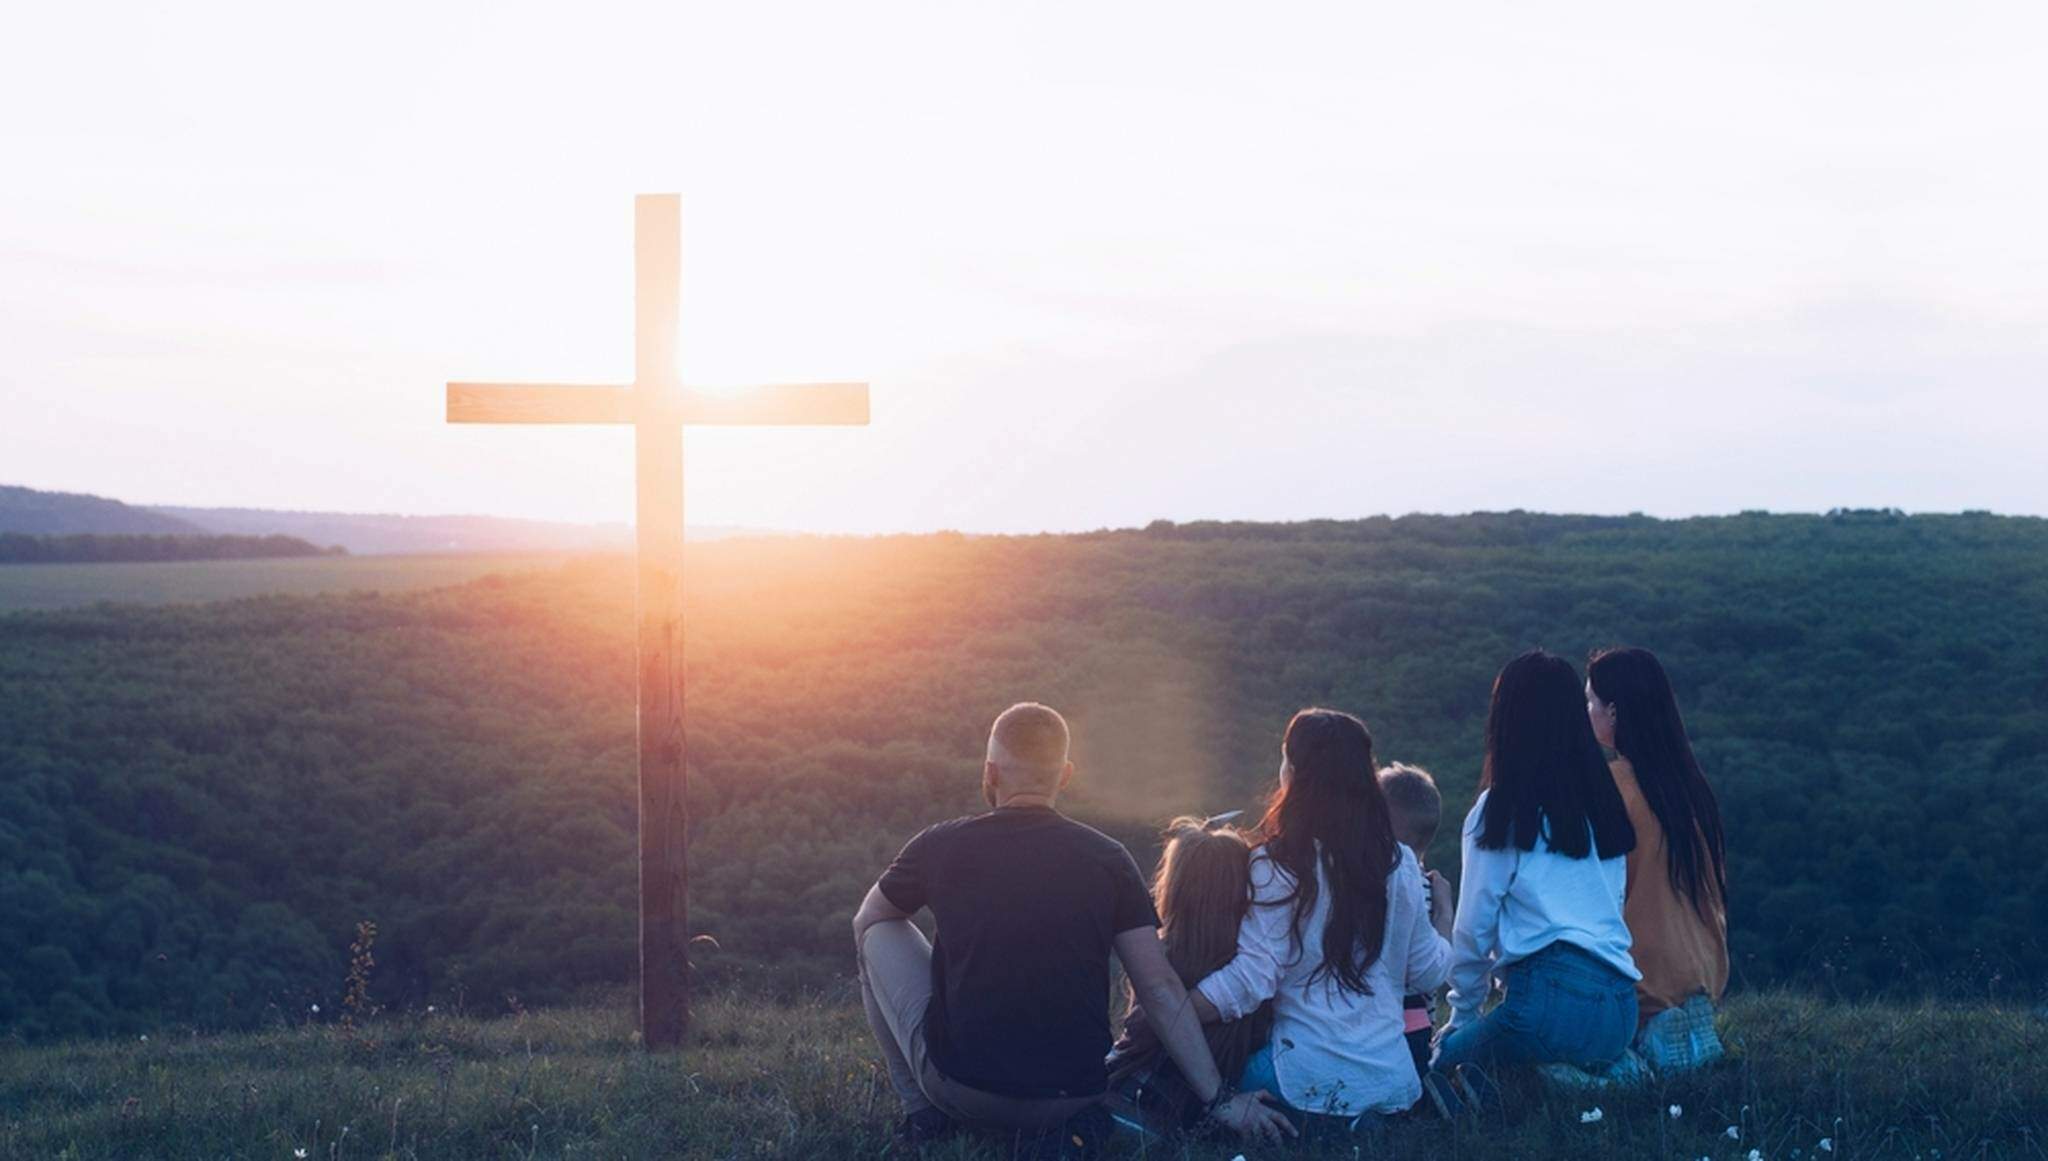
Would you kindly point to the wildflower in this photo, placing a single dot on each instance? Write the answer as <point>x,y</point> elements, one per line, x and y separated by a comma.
<point>1827,1145</point>
<point>300,1154</point>
<point>145,1037</point>
<point>1675,1111</point>
<point>1733,1133</point>
<point>1591,1116</point>
<point>430,1009</point>
<point>1756,1155</point>
<point>316,1009</point>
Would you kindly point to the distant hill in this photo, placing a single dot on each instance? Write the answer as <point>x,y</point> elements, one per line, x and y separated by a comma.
<point>37,513</point>
<point>98,548</point>
<point>383,533</point>
<point>188,582</point>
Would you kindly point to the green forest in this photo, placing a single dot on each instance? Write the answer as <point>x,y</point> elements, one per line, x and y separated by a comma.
<point>199,803</point>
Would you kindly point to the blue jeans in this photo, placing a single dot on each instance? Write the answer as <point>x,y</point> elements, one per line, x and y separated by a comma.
<point>1564,1005</point>
<point>1259,1073</point>
<point>1315,1128</point>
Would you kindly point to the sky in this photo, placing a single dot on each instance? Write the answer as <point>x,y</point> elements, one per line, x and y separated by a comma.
<point>1099,264</point>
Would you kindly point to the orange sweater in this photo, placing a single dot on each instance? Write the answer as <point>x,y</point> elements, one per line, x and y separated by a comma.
<point>1680,953</point>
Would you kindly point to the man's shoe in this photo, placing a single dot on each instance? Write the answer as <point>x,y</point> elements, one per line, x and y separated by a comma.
<point>1440,1095</point>
<point>923,1127</point>
<point>1476,1089</point>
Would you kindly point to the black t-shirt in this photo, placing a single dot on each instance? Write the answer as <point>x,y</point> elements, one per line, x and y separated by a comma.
<point>1028,902</point>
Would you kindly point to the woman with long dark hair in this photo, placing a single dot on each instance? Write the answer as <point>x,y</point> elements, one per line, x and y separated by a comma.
<point>1338,932</point>
<point>1678,873</point>
<point>1544,874</point>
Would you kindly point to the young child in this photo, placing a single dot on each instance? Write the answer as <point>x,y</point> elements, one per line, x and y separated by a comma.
<point>1201,893</point>
<point>1415,808</point>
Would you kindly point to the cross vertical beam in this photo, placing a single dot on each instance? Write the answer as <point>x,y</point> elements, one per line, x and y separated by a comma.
<point>659,407</point>
<point>658,520</point>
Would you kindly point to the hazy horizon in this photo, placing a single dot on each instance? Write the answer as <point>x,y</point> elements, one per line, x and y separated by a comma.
<point>774,531</point>
<point>1098,267</point>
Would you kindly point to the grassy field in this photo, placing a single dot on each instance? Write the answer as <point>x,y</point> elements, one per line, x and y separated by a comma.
<point>1806,1081</point>
<point>52,586</point>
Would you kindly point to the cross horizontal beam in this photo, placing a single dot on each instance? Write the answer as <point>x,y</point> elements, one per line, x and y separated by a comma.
<point>783,403</point>
<point>539,403</point>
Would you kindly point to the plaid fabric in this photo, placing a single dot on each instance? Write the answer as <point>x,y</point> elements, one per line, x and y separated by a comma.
<point>1681,1039</point>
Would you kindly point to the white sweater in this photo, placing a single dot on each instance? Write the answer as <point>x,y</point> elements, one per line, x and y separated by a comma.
<point>1333,1051</point>
<point>1514,903</point>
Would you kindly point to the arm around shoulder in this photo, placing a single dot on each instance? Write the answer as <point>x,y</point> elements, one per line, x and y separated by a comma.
<point>1263,944</point>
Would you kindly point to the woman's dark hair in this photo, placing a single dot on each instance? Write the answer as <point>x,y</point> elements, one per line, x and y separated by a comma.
<point>1649,732</point>
<point>1544,769</point>
<point>1331,811</point>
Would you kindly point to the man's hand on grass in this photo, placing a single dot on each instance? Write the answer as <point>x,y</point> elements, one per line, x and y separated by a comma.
<point>1248,1115</point>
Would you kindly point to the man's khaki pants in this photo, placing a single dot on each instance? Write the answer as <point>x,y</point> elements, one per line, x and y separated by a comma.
<point>896,988</point>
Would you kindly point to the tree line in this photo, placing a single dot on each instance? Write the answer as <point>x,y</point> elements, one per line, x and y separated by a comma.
<point>95,548</point>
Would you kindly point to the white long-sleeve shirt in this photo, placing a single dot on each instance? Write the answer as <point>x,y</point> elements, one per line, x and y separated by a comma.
<point>1514,903</point>
<point>1333,1051</point>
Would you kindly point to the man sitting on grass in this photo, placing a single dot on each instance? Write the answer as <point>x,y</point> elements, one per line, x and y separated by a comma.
<point>1003,1020</point>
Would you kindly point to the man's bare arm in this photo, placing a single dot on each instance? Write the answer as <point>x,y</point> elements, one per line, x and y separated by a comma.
<point>874,909</point>
<point>1167,1008</point>
<point>1171,1010</point>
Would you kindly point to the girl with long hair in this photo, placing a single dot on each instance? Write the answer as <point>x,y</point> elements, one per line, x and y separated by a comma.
<point>1337,933</point>
<point>1201,891</point>
<point>1678,873</point>
<point>1540,902</point>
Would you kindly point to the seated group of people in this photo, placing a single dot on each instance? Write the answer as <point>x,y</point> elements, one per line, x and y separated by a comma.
<point>1283,981</point>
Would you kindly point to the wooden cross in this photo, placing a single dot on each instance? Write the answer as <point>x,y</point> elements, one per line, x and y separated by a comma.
<point>658,406</point>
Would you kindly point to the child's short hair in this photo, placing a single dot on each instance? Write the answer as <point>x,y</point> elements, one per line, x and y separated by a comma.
<point>1413,804</point>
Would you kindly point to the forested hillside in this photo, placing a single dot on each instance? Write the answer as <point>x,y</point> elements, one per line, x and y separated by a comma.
<point>197,804</point>
<point>38,513</point>
<point>95,548</point>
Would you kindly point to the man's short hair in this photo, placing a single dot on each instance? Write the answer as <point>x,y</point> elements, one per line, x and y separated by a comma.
<point>1029,741</point>
<point>1415,806</point>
